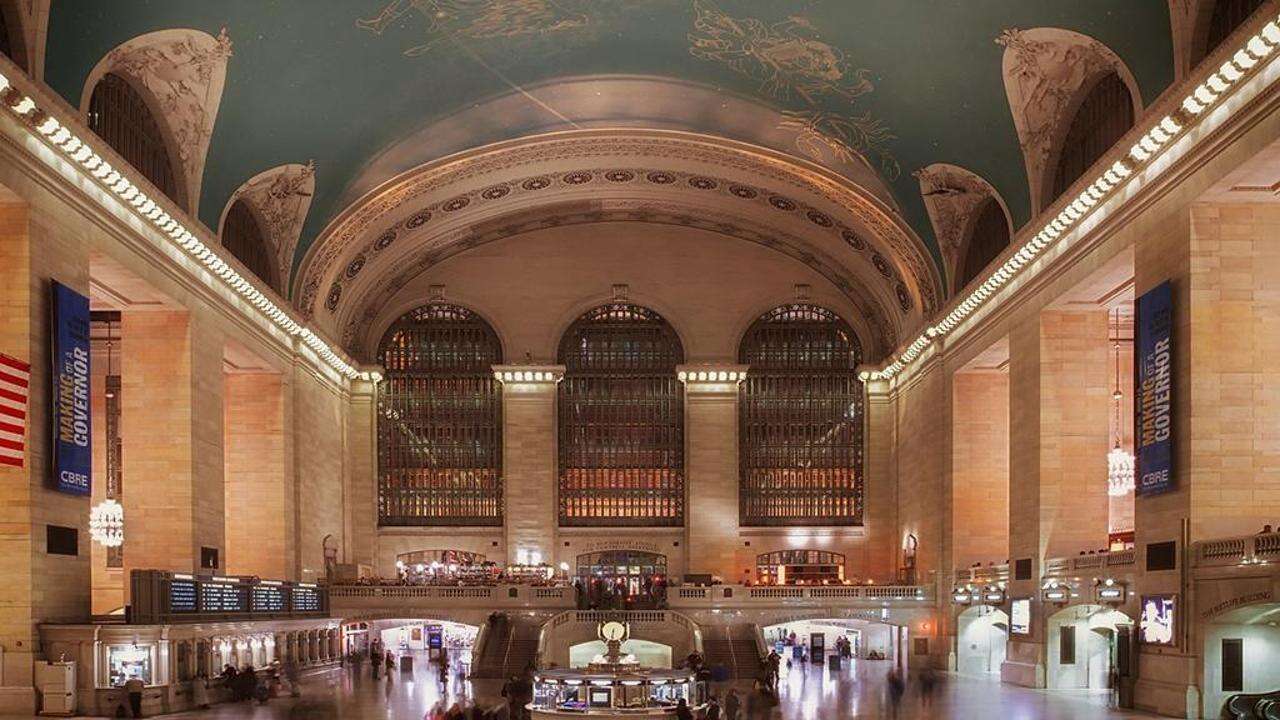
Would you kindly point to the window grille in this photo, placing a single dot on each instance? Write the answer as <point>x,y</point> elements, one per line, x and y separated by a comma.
<point>1105,115</point>
<point>119,115</point>
<point>621,420</point>
<point>990,235</point>
<point>800,420</point>
<point>440,420</point>
<point>242,235</point>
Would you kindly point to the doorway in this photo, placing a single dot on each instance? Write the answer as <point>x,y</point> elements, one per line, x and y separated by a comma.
<point>623,579</point>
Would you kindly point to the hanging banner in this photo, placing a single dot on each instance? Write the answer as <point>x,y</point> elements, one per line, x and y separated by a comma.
<point>1153,399</point>
<point>72,454</point>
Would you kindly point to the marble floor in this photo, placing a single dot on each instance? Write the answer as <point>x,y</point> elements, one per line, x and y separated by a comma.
<point>806,693</point>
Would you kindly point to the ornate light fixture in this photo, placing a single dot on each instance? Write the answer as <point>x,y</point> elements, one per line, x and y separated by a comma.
<point>1119,460</point>
<point>106,523</point>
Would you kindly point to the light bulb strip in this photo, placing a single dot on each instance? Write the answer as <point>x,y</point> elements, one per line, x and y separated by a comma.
<point>80,151</point>
<point>1238,67</point>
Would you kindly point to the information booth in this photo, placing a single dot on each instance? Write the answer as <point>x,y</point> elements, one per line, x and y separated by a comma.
<point>639,692</point>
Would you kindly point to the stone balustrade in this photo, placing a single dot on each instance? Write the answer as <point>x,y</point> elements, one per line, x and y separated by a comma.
<point>1242,550</point>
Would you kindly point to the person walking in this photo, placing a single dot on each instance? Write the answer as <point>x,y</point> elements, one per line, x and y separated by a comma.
<point>896,688</point>
<point>731,705</point>
<point>928,683</point>
<point>391,664</point>
<point>712,711</point>
<point>682,710</point>
<point>200,691</point>
<point>134,687</point>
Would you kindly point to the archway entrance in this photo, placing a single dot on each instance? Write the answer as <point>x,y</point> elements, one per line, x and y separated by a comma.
<point>1240,648</point>
<point>645,652</point>
<point>982,635</point>
<point>622,579</point>
<point>852,638</point>
<point>1083,644</point>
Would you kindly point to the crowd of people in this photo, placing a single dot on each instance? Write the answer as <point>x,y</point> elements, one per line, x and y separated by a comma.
<point>487,574</point>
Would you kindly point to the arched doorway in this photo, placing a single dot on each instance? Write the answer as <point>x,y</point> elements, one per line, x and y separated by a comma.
<point>1083,642</point>
<point>622,578</point>
<point>646,653</point>
<point>1240,648</point>
<point>982,636</point>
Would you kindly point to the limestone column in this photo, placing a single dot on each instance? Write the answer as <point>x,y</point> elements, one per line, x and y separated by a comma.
<point>880,495</point>
<point>171,421</point>
<point>529,464</point>
<point>711,467</point>
<point>35,247</point>
<point>1060,407</point>
<point>360,482</point>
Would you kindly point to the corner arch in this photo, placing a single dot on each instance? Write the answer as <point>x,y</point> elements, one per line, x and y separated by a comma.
<point>1048,72</point>
<point>281,197</point>
<point>181,68</point>
<point>952,196</point>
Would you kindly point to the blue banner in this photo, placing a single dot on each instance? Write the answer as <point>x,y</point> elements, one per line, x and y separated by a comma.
<point>1153,399</point>
<point>72,448</point>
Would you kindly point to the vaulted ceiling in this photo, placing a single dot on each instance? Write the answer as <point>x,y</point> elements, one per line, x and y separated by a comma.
<point>901,84</point>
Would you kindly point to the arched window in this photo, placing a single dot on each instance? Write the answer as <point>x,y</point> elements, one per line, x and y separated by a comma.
<point>242,235</point>
<point>440,420</point>
<point>1227,15</point>
<point>1105,115</point>
<point>621,412</point>
<point>987,238</point>
<point>119,115</point>
<point>800,420</point>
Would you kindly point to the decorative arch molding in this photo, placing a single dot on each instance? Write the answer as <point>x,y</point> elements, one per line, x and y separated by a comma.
<point>280,198</point>
<point>871,323</point>
<point>953,195</point>
<point>181,74</point>
<point>414,221</point>
<point>1048,72</point>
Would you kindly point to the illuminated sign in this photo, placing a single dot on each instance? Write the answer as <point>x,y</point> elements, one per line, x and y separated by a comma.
<point>1111,591</point>
<point>1020,616</point>
<point>1159,618</point>
<point>993,595</point>
<point>1057,593</point>
<point>962,596</point>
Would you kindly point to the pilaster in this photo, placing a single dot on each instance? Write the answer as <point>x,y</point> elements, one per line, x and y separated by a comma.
<point>711,467</point>
<point>529,464</point>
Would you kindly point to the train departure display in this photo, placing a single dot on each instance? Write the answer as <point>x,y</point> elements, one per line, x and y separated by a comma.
<point>183,596</point>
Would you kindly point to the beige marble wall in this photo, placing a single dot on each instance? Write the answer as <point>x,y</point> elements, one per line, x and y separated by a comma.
<point>980,468</point>
<point>320,452</point>
<point>259,494</point>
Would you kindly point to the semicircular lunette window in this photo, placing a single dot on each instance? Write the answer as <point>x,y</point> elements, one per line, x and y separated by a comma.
<point>800,420</point>
<point>440,420</point>
<point>1104,116</point>
<point>621,420</point>
<point>242,235</point>
<point>119,115</point>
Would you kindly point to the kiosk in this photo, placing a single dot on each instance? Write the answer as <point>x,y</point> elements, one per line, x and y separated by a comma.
<point>614,685</point>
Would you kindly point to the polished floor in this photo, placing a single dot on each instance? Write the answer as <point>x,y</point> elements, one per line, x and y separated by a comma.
<point>808,693</point>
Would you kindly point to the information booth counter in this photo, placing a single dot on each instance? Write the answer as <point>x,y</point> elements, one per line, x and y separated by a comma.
<point>641,692</point>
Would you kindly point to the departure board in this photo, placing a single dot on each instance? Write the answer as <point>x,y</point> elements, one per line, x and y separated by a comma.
<point>222,598</point>
<point>306,599</point>
<point>183,597</point>
<point>268,599</point>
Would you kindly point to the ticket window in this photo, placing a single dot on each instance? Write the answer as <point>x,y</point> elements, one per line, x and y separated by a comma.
<point>125,662</point>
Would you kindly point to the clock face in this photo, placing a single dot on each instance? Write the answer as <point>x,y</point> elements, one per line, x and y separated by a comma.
<point>613,631</point>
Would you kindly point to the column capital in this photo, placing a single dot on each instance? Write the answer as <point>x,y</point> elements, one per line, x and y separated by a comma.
<point>528,374</point>
<point>711,377</point>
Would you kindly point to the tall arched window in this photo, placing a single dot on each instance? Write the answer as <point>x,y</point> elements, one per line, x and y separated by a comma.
<point>242,235</point>
<point>119,115</point>
<point>800,420</point>
<point>987,238</point>
<point>440,420</point>
<point>1102,118</point>
<point>621,412</point>
<point>1227,15</point>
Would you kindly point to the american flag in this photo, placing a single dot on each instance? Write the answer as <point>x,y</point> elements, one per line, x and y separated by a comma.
<point>15,377</point>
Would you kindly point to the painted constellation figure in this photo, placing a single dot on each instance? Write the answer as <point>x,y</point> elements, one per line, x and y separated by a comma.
<point>791,64</point>
<point>475,19</point>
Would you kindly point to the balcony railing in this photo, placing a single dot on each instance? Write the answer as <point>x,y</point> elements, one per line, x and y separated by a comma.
<point>1243,550</point>
<point>772,595</point>
<point>1053,567</point>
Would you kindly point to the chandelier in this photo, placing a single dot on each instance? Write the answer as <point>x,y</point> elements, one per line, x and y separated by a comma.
<point>106,523</point>
<point>1119,461</point>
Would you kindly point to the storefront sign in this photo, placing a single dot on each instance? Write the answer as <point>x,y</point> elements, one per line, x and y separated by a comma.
<point>1112,592</point>
<point>1057,593</point>
<point>962,596</point>
<point>1153,398</point>
<point>1020,616</point>
<point>72,454</point>
<point>993,596</point>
